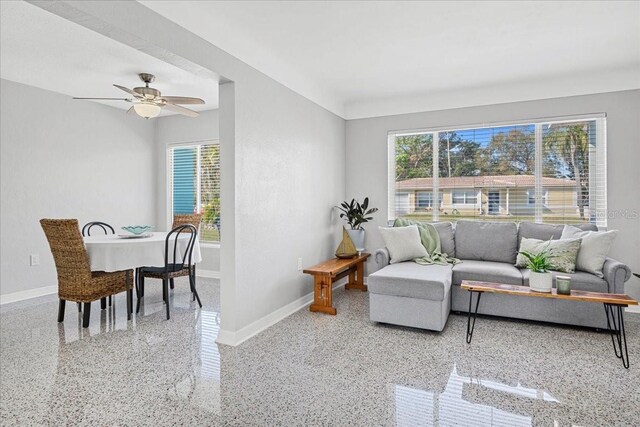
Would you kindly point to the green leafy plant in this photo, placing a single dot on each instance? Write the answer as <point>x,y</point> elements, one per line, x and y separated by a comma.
<point>540,262</point>
<point>355,213</point>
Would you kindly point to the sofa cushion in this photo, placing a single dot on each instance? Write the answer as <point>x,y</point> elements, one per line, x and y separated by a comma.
<point>403,243</point>
<point>408,279</point>
<point>580,280</point>
<point>447,243</point>
<point>562,252</point>
<point>594,248</point>
<point>487,241</point>
<point>533,230</point>
<point>486,271</point>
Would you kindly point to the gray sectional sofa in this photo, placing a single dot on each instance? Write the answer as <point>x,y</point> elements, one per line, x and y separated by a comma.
<point>421,296</point>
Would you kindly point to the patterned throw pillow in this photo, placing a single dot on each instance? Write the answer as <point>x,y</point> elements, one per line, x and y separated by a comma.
<point>563,253</point>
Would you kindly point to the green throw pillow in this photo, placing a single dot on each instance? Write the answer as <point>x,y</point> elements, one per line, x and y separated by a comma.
<point>563,252</point>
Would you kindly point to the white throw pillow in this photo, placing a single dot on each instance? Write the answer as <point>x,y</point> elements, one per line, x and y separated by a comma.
<point>594,248</point>
<point>403,243</point>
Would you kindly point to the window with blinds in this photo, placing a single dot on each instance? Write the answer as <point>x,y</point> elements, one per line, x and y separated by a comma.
<point>194,180</point>
<point>551,170</point>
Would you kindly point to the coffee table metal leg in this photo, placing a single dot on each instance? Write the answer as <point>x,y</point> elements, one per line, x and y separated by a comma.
<point>470,325</point>
<point>616,329</point>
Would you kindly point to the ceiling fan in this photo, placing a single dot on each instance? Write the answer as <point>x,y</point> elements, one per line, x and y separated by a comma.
<point>148,102</point>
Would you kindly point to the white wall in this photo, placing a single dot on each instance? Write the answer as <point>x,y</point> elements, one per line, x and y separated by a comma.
<point>282,167</point>
<point>180,129</point>
<point>62,158</point>
<point>367,157</point>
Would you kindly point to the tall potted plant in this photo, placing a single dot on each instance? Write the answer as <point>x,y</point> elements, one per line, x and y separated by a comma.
<point>356,214</point>
<point>540,279</point>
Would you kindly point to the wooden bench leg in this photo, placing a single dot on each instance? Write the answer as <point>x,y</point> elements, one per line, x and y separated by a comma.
<point>356,279</point>
<point>322,295</point>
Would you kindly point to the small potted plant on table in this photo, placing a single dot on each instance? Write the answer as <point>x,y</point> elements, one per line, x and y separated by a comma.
<point>540,279</point>
<point>356,214</point>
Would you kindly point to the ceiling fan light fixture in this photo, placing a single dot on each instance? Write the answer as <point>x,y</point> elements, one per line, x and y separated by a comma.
<point>146,109</point>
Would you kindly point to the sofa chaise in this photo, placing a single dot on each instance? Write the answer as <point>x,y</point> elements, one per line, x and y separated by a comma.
<point>420,296</point>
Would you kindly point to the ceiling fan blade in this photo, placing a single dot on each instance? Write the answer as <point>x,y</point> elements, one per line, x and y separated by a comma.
<point>105,99</point>
<point>131,111</point>
<point>181,110</point>
<point>182,100</point>
<point>136,94</point>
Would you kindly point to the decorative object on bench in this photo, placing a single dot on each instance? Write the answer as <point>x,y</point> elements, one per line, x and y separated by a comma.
<point>346,248</point>
<point>357,214</point>
<point>540,280</point>
<point>594,248</point>
<point>563,285</point>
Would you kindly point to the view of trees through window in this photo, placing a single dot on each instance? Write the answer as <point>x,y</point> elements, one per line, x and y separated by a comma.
<point>545,172</point>
<point>195,184</point>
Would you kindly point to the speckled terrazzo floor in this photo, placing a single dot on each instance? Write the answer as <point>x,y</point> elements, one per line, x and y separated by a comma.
<point>309,369</point>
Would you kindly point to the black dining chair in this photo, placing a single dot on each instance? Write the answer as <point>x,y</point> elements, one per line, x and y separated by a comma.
<point>86,231</point>
<point>177,263</point>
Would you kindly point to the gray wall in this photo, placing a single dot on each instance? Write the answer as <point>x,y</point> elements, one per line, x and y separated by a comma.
<point>181,129</point>
<point>282,168</point>
<point>62,158</point>
<point>367,157</point>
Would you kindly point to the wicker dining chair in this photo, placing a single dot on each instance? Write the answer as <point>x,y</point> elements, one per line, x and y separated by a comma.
<point>76,281</point>
<point>184,219</point>
<point>175,264</point>
<point>86,231</point>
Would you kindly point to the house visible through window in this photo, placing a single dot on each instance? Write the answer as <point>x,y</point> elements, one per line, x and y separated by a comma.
<point>548,170</point>
<point>194,180</point>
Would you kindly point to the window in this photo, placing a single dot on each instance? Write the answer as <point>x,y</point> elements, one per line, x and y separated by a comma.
<point>424,199</point>
<point>194,180</point>
<point>547,170</point>
<point>531,197</point>
<point>464,197</point>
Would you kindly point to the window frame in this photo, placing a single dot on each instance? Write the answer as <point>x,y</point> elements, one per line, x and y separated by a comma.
<point>600,165</point>
<point>169,183</point>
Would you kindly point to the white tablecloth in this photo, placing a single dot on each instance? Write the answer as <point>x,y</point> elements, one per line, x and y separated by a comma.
<point>113,253</point>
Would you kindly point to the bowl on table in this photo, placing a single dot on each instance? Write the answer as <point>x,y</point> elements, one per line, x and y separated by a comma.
<point>137,230</point>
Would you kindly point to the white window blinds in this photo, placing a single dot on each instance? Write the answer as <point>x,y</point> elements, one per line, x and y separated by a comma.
<point>194,185</point>
<point>545,171</point>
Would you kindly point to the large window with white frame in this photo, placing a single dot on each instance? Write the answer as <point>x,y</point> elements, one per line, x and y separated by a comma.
<point>194,185</point>
<point>546,170</point>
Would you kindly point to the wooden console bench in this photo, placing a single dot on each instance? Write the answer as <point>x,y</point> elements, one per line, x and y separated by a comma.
<point>326,273</point>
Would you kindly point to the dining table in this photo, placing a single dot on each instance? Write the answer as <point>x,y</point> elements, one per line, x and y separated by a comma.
<point>118,252</point>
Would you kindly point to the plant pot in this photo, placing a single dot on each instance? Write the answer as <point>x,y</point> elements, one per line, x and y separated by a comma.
<point>540,282</point>
<point>357,237</point>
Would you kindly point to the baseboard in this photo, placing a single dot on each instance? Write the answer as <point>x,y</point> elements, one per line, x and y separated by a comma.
<point>633,309</point>
<point>236,338</point>
<point>209,274</point>
<point>28,294</point>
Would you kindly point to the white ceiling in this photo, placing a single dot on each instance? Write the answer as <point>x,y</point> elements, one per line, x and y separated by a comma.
<point>363,58</point>
<point>46,51</point>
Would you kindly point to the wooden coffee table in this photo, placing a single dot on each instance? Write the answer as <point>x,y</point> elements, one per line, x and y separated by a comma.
<point>326,273</point>
<point>613,307</point>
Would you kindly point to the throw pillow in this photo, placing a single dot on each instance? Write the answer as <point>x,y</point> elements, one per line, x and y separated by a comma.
<point>403,243</point>
<point>563,253</point>
<point>594,248</point>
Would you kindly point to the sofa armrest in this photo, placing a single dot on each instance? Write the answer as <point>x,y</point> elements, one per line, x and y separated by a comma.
<point>382,257</point>
<point>615,273</point>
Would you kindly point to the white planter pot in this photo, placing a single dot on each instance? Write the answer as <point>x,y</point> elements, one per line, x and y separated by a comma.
<point>357,237</point>
<point>540,282</point>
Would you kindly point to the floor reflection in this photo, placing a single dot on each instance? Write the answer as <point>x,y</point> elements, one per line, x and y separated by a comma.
<point>415,407</point>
